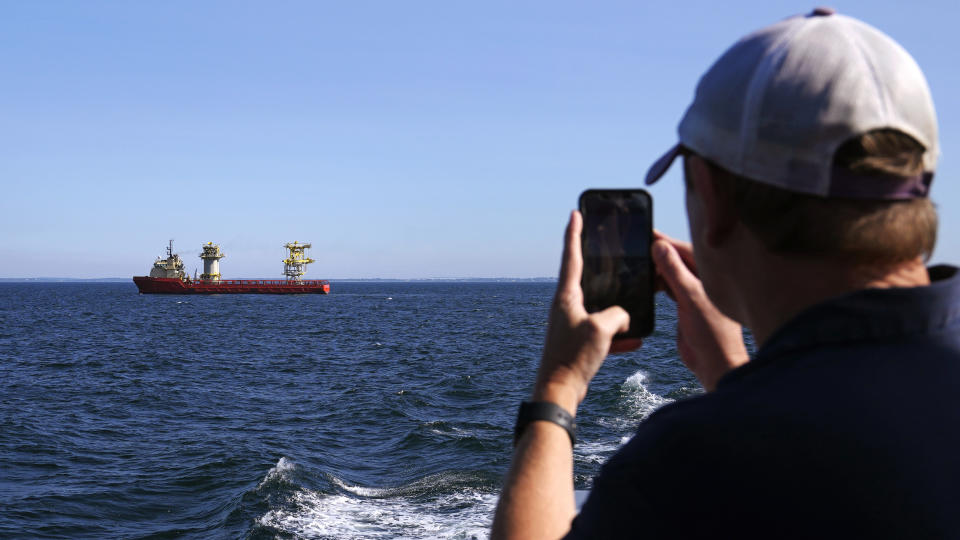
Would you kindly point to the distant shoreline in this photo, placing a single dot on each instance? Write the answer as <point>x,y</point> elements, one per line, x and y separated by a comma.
<point>346,280</point>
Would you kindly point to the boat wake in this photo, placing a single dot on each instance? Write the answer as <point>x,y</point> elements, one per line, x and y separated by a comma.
<point>437,506</point>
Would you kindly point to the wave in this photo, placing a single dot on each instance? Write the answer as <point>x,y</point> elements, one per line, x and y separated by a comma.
<point>641,401</point>
<point>442,505</point>
<point>597,452</point>
<point>636,402</point>
<point>280,472</point>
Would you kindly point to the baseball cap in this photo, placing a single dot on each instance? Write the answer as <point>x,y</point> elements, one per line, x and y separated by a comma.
<point>776,106</point>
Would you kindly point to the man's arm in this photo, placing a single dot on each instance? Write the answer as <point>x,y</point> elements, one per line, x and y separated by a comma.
<point>537,499</point>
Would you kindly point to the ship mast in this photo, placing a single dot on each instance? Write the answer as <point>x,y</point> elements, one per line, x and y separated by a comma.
<point>294,266</point>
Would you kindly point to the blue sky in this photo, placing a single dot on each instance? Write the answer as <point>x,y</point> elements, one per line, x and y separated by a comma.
<point>403,139</point>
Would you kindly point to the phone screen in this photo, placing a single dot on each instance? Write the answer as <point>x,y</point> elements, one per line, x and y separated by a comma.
<point>617,269</point>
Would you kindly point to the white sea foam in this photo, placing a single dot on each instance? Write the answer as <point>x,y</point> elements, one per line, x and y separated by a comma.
<point>313,515</point>
<point>451,431</point>
<point>640,399</point>
<point>639,403</point>
<point>360,490</point>
<point>369,512</point>
<point>597,451</point>
<point>279,471</point>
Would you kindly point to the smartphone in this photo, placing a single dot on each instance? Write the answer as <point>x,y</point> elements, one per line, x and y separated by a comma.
<point>617,267</point>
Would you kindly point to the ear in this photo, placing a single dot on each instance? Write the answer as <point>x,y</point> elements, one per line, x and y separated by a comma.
<point>716,199</point>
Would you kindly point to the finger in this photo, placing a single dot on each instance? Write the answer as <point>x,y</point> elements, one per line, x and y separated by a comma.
<point>612,320</point>
<point>571,266</point>
<point>685,249</point>
<point>674,271</point>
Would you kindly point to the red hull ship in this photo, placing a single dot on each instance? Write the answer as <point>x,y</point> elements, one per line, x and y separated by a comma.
<point>168,277</point>
<point>149,285</point>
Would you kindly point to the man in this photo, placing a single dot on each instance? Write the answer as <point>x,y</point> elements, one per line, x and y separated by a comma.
<point>808,152</point>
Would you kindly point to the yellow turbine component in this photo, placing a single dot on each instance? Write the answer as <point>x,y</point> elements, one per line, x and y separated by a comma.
<point>293,265</point>
<point>211,256</point>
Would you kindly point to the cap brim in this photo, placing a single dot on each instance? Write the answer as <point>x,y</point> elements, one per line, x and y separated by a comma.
<point>660,166</point>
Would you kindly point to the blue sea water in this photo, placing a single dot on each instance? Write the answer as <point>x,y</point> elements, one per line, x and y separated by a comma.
<point>383,410</point>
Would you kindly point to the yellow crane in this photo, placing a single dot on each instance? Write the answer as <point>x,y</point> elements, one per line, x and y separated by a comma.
<point>294,266</point>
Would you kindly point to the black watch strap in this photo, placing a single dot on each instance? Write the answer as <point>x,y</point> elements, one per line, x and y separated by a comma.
<point>531,411</point>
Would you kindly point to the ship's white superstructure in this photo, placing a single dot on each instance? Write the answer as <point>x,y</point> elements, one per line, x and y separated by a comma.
<point>171,267</point>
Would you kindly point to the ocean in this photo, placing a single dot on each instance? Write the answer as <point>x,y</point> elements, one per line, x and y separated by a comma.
<point>383,410</point>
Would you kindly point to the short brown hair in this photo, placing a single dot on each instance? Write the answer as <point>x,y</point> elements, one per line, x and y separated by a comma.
<point>860,231</point>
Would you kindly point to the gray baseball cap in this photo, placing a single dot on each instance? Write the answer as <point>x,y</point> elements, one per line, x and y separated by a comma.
<point>777,105</point>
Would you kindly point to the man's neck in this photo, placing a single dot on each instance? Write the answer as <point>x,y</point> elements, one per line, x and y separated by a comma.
<point>780,287</point>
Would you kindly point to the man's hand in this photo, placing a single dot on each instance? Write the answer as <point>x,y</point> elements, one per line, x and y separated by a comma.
<point>710,343</point>
<point>537,499</point>
<point>577,341</point>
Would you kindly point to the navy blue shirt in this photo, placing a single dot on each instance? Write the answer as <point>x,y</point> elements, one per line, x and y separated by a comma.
<point>845,424</point>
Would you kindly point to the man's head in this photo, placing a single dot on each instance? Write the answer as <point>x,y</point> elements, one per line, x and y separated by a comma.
<point>821,133</point>
<point>846,230</point>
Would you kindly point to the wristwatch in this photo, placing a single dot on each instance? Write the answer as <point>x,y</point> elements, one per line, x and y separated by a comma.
<point>531,411</point>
